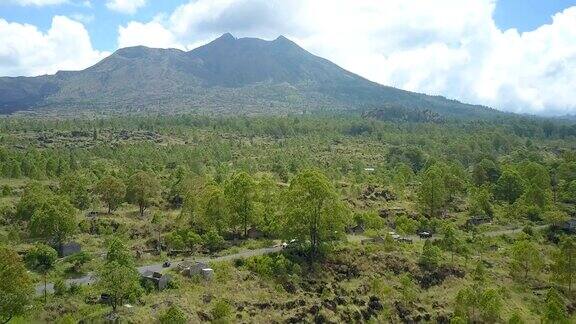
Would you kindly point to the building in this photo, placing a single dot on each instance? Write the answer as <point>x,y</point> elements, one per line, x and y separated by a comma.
<point>69,248</point>
<point>191,269</point>
<point>254,233</point>
<point>160,281</point>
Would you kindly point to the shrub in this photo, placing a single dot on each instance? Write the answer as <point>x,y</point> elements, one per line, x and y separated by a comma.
<point>272,266</point>
<point>59,287</point>
<point>213,241</point>
<point>221,310</point>
<point>173,315</point>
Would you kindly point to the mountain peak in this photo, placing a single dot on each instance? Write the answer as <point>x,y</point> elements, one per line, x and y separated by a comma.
<point>225,37</point>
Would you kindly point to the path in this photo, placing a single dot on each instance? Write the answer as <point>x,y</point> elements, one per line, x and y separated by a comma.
<point>90,278</point>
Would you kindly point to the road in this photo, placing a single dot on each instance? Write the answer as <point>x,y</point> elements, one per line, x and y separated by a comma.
<point>90,278</point>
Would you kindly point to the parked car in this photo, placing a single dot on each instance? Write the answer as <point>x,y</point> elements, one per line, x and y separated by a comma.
<point>425,235</point>
<point>166,264</point>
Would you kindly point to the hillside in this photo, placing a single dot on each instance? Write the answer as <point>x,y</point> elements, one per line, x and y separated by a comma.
<point>227,75</point>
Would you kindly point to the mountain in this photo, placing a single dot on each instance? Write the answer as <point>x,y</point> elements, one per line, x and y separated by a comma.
<point>227,75</point>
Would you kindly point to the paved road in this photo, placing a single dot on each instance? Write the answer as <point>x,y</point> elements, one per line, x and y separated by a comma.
<point>415,238</point>
<point>90,278</point>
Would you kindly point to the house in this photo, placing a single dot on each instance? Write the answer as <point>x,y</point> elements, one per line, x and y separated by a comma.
<point>569,226</point>
<point>160,281</point>
<point>477,220</point>
<point>207,273</point>
<point>358,229</point>
<point>254,233</point>
<point>191,269</point>
<point>69,248</point>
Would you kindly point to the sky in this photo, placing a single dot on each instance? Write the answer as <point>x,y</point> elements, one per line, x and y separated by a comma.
<point>513,55</point>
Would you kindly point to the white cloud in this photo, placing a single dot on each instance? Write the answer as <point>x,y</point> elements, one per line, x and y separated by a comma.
<point>38,3</point>
<point>27,51</point>
<point>125,6</point>
<point>447,47</point>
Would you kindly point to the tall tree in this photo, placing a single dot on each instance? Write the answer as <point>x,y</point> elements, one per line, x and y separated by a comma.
<point>76,186</point>
<point>314,210</point>
<point>119,277</point>
<point>525,258</point>
<point>34,196</point>
<point>451,240</point>
<point>564,267</point>
<point>509,187</point>
<point>432,193</point>
<point>16,288</point>
<point>240,193</point>
<point>55,220</point>
<point>41,258</point>
<point>111,191</point>
<point>143,189</point>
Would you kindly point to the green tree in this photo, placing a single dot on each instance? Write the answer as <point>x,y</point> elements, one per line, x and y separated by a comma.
<point>451,240</point>
<point>480,202</point>
<point>34,196</point>
<point>54,220</point>
<point>564,266</point>
<point>432,192</point>
<point>555,308</point>
<point>213,213</point>
<point>119,277</point>
<point>525,258</point>
<point>431,256</point>
<point>143,188</point>
<point>41,258</point>
<point>173,315</point>
<point>509,187</point>
<point>111,191</point>
<point>314,210</point>
<point>16,288</point>
<point>240,194</point>
<point>476,304</point>
<point>76,186</point>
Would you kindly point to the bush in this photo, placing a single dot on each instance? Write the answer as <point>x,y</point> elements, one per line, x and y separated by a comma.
<point>272,266</point>
<point>221,310</point>
<point>213,241</point>
<point>173,315</point>
<point>59,287</point>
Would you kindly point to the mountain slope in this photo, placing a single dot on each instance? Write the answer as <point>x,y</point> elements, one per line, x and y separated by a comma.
<point>226,75</point>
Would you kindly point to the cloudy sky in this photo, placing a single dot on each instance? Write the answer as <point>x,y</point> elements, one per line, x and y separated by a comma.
<point>514,55</point>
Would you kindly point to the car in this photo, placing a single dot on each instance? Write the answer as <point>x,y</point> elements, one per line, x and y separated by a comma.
<point>405,240</point>
<point>166,264</point>
<point>425,235</point>
<point>395,236</point>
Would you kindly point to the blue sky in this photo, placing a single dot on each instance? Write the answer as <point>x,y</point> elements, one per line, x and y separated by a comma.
<point>524,15</point>
<point>514,55</point>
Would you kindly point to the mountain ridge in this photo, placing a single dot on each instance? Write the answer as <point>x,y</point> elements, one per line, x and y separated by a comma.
<point>235,75</point>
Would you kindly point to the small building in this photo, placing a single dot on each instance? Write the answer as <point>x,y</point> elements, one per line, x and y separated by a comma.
<point>195,268</point>
<point>569,226</point>
<point>254,233</point>
<point>69,248</point>
<point>159,280</point>
<point>207,273</point>
<point>358,229</point>
<point>477,220</point>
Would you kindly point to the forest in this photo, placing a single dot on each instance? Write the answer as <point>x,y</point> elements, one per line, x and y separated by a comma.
<point>322,218</point>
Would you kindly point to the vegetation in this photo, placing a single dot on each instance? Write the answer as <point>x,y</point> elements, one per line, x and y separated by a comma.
<point>302,218</point>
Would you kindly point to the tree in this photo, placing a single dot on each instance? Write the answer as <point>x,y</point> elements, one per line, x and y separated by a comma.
<point>111,191</point>
<point>54,220</point>
<point>480,202</point>
<point>524,258</point>
<point>485,172</point>
<point>173,315</point>
<point>240,193</point>
<point>267,201</point>
<point>41,258</point>
<point>451,240</point>
<point>555,308</point>
<point>143,189</point>
<point>16,288</point>
<point>34,196</point>
<point>477,304</point>
<point>314,210</point>
<point>78,260</point>
<point>76,186</point>
<point>432,193</point>
<point>509,187</point>
<point>212,211</point>
<point>431,256</point>
<point>118,277</point>
<point>564,267</point>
